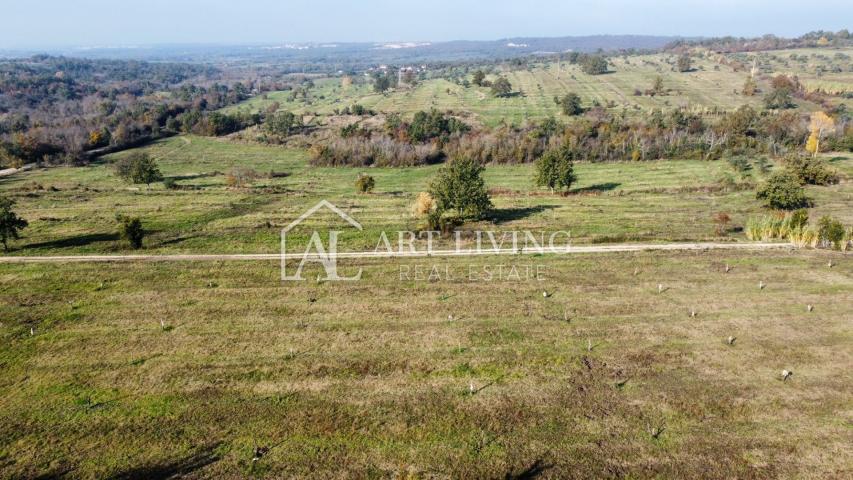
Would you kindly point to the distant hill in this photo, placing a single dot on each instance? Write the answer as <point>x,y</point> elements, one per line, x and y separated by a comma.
<point>355,55</point>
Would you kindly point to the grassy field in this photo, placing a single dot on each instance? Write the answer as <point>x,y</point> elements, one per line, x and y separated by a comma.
<point>606,378</point>
<point>711,86</point>
<point>72,210</point>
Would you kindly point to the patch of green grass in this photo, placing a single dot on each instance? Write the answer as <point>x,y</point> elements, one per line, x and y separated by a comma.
<point>72,209</point>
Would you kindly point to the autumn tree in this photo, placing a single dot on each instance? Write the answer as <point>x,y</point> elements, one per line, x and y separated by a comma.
<point>750,88</point>
<point>684,64</point>
<point>820,125</point>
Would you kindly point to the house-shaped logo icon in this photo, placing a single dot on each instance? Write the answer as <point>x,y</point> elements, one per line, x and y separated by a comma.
<point>315,251</point>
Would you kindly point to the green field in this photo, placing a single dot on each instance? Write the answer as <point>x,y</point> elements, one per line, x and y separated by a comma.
<point>72,209</point>
<point>710,87</point>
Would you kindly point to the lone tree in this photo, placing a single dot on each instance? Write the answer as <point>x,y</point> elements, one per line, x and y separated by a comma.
<point>555,169</point>
<point>479,78</point>
<point>570,104</point>
<point>459,187</point>
<point>684,64</point>
<point>501,87</point>
<point>594,64</point>
<point>130,230</point>
<point>784,192</point>
<point>10,223</point>
<point>138,168</point>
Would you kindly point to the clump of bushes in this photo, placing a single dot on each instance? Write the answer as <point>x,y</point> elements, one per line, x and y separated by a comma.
<point>811,171</point>
<point>365,183</point>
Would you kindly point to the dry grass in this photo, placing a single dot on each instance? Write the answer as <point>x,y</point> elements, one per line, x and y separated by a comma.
<point>372,379</point>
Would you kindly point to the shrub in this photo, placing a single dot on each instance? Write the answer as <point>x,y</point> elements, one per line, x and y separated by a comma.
<point>130,230</point>
<point>459,186</point>
<point>170,183</point>
<point>424,204</point>
<point>830,231</point>
<point>365,183</point>
<point>240,177</point>
<point>722,219</point>
<point>783,191</point>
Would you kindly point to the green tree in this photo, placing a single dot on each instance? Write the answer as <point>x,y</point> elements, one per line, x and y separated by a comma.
<point>570,104</point>
<point>594,64</point>
<point>555,169</point>
<point>130,230</point>
<point>138,167</point>
<point>783,191</point>
<point>459,187</point>
<point>10,223</point>
<point>501,87</point>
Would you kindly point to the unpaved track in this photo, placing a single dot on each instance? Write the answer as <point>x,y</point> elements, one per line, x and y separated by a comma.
<point>436,253</point>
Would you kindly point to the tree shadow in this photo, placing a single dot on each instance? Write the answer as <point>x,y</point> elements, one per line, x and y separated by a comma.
<point>172,469</point>
<point>504,215</point>
<point>194,176</point>
<point>78,241</point>
<point>598,187</point>
<point>535,469</point>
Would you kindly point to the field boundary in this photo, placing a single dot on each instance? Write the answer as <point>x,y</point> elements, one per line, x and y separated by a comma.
<point>417,254</point>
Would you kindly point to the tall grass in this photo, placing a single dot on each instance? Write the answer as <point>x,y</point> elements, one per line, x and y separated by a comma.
<point>775,226</point>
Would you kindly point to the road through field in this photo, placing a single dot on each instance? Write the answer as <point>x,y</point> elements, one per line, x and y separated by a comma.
<point>385,254</point>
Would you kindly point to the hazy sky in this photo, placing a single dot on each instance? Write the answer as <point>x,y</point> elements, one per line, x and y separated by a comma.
<point>41,23</point>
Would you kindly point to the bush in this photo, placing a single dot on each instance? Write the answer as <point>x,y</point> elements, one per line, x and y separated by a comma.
<point>459,186</point>
<point>170,183</point>
<point>783,191</point>
<point>424,204</point>
<point>130,230</point>
<point>365,183</point>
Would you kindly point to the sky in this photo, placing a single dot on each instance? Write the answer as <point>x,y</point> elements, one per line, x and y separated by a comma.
<point>61,23</point>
